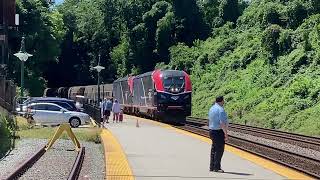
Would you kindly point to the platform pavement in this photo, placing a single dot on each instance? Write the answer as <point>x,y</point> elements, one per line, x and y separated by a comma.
<point>154,152</point>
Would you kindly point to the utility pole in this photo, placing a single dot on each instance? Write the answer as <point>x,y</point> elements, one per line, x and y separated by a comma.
<point>99,82</point>
<point>23,56</point>
<point>99,69</point>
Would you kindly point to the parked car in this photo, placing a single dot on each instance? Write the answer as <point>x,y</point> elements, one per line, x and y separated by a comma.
<point>65,103</point>
<point>52,114</point>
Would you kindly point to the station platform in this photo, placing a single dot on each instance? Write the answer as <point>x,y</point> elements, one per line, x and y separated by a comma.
<point>158,151</point>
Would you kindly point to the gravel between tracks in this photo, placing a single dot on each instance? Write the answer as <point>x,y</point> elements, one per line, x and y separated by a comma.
<point>23,150</point>
<point>93,166</point>
<point>297,149</point>
<point>57,162</point>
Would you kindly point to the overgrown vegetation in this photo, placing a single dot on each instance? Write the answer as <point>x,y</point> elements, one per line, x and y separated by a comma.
<point>6,136</point>
<point>266,65</point>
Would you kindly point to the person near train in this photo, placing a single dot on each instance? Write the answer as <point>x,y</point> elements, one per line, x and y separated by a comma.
<point>107,110</point>
<point>101,106</point>
<point>116,110</point>
<point>121,116</point>
<point>218,129</point>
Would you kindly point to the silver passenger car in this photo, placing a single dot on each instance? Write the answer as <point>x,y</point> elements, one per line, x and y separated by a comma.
<point>53,114</point>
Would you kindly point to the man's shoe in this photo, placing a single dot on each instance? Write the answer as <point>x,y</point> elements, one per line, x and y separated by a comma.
<point>218,170</point>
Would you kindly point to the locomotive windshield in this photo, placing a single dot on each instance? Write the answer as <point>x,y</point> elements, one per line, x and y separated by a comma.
<point>174,84</point>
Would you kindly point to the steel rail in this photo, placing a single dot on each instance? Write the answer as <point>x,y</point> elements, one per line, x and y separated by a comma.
<point>286,138</point>
<point>26,164</point>
<point>315,141</point>
<point>76,168</point>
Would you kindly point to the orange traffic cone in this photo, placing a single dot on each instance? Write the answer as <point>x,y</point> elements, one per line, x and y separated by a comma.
<point>137,123</point>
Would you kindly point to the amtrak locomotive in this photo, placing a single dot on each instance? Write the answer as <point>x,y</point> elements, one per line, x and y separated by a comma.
<point>164,95</point>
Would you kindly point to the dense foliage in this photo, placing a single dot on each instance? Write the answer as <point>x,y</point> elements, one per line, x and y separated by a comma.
<point>6,134</point>
<point>266,65</point>
<point>262,55</point>
<point>44,30</point>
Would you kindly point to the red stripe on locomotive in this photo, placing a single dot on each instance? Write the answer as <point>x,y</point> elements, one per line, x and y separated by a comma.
<point>157,79</point>
<point>188,84</point>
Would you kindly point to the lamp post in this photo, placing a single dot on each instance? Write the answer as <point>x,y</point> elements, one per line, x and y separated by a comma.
<point>99,69</point>
<point>23,56</point>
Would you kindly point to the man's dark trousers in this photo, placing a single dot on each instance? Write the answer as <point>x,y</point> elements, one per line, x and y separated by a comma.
<point>217,149</point>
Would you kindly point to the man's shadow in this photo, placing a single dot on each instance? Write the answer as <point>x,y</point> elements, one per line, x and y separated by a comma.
<point>237,173</point>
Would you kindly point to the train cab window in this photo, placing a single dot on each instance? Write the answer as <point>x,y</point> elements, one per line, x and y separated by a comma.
<point>173,84</point>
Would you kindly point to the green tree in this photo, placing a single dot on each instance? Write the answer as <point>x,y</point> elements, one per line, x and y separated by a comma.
<point>44,31</point>
<point>229,10</point>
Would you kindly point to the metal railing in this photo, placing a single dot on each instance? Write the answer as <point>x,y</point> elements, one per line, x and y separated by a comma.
<point>93,111</point>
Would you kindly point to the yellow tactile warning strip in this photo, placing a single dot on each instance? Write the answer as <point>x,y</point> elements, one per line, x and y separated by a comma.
<point>93,122</point>
<point>117,165</point>
<point>277,168</point>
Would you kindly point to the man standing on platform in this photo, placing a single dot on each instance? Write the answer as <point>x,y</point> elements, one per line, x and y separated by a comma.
<point>108,109</point>
<point>218,126</point>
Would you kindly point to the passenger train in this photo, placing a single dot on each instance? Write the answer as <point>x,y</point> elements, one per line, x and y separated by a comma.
<point>163,95</point>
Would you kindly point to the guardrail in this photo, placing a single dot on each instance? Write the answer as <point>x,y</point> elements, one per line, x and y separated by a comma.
<point>93,111</point>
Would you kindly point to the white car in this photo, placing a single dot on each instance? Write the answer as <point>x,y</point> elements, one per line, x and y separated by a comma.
<point>53,114</point>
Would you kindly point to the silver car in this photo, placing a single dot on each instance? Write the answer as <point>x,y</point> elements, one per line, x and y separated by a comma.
<point>53,114</point>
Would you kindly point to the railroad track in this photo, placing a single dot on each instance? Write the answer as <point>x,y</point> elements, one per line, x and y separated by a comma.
<point>22,168</point>
<point>305,164</point>
<point>280,136</point>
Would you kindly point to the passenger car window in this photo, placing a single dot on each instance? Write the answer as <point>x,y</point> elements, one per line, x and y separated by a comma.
<point>39,107</point>
<point>53,108</point>
<point>64,105</point>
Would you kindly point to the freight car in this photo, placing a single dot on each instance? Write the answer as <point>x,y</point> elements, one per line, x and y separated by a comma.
<point>50,92</point>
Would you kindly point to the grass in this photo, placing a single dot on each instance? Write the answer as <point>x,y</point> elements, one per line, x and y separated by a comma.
<point>26,130</point>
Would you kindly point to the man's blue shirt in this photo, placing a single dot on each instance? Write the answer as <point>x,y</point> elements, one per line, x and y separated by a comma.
<point>109,105</point>
<point>217,115</point>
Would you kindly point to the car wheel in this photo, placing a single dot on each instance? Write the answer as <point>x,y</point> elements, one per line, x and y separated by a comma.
<point>74,122</point>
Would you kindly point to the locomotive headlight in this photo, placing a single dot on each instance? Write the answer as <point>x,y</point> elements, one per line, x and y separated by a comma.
<point>176,89</point>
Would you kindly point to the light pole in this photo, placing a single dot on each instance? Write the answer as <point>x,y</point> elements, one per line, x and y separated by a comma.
<point>99,69</point>
<point>23,56</point>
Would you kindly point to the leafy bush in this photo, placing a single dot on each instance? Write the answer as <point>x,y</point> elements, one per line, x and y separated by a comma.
<point>267,67</point>
<point>6,127</point>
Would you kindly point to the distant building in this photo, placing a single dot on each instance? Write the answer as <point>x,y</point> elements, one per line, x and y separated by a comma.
<point>8,11</point>
<point>7,18</point>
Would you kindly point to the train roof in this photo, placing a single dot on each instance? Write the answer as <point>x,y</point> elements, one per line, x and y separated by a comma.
<point>172,73</point>
<point>164,72</point>
<point>144,74</point>
<point>122,79</point>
